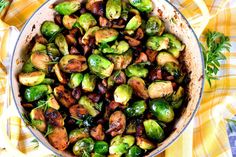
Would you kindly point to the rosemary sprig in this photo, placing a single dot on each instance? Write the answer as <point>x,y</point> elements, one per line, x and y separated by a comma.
<point>216,44</point>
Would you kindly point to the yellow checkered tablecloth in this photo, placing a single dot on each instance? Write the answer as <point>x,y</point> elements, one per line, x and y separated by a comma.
<point>205,137</point>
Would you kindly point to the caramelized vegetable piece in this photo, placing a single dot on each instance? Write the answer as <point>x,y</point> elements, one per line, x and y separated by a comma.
<point>68,21</point>
<point>96,7</point>
<point>73,63</point>
<point>144,143</point>
<point>165,57</point>
<point>88,82</point>
<point>40,61</point>
<point>78,134</point>
<point>97,133</point>
<point>88,105</point>
<point>67,7</point>
<point>132,42</point>
<point>54,117</point>
<point>106,35</point>
<point>38,119</point>
<point>58,138</point>
<point>52,102</point>
<point>153,130</point>
<point>142,58</point>
<point>31,79</point>
<point>160,89</point>
<point>103,22</point>
<point>117,123</point>
<point>123,93</point>
<point>77,111</point>
<point>60,75</point>
<point>138,86</point>
<point>64,96</point>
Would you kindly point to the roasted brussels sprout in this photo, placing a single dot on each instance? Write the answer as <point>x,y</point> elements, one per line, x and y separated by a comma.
<point>38,119</point>
<point>78,134</point>
<point>139,87</point>
<point>40,61</point>
<point>48,81</point>
<point>37,92</point>
<point>32,78</point>
<point>86,21</point>
<point>162,110</point>
<point>136,109</point>
<point>172,69</point>
<point>68,21</point>
<point>60,41</point>
<point>88,105</point>
<point>75,80</point>
<point>28,67</point>
<point>157,43</point>
<point>89,33</point>
<point>58,138</point>
<point>49,28</point>
<point>137,70</point>
<point>100,66</point>
<point>118,48</point>
<point>101,147</point>
<point>142,5</point>
<point>83,147</point>
<point>134,151</point>
<point>177,98</point>
<point>117,123</point>
<point>38,47</point>
<point>67,7</point>
<point>134,23</point>
<point>53,52</point>
<point>165,57</point>
<point>153,130</point>
<point>73,63</point>
<point>64,96</point>
<point>60,75</point>
<point>113,9</point>
<point>123,93</point>
<point>160,89</point>
<point>88,82</point>
<point>154,26</point>
<point>145,144</point>
<point>106,35</point>
<point>52,102</point>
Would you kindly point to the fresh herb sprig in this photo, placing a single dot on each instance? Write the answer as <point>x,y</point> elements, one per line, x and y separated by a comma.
<point>216,44</point>
<point>3,4</point>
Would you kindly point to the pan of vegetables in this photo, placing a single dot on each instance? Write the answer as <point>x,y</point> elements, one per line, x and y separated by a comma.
<point>107,77</point>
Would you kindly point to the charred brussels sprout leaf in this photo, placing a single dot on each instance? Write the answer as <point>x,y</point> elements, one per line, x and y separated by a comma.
<point>106,35</point>
<point>83,147</point>
<point>87,21</point>
<point>142,5</point>
<point>37,92</point>
<point>144,143</point>
<point>113,9</point>
<point>123,93</point>
<point>32,78</point>
<point>49,28</point>
<point>101,147</point>
<point>60,41</point>
<point>136,109</point>
<point>154,26</point>
<point>153,130</point>
<point>67,7</point>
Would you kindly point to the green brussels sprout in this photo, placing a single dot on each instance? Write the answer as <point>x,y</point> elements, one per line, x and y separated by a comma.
<point>28,67</point>
<point>106,35</point>
<point>142,5</point>
<point>83,147</point>
<point>97,155</point>
<point>67,7</point>
<point>37,119</point>
<point>177,98</point>
<point>89,33</point>
<point>113,9</point>
<point>118,48</point>
<point>53,52</point>
<point>123,93</point>
<point>78,134</point>
<point>60,41</point>
<point>100,66</point>
<point>134,151</point>
<point>137,70</point>
<point>165,57</point>
<point>75,80</point>
<point>144,143</point>
<point>134,23</point>
<point>129,140</point>
<point>49,28</point>
<point>73,63</point>
<point>101,147</point>
<point>32,78</point>
<point>38,47</point>
<point>86,21</point>
<point>138,86</point>
<point>120,61</point>
<point>136,109</point>
<point>68,21</point>
<point>88,105</point>
<point>154,26</point>
<point>52,102</point>
<point>162,110</point>
<point>36,92</point>
<point>160,89</point>
<point>153,130</point>
<point>40,61</point>
<point>157,43</point>
<point>88,82</point>
<point>172,69</point>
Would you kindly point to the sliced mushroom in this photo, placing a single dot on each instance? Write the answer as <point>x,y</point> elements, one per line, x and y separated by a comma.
<point>142,58</point>
<point>96,7</point>
<point>138,86</point>
<point>77,111</point>
<point>117,123</point>
<point>54,117</point>
<point>97,133</point>
<point>132,42</point>
<point>58,138</point>
<point>151,54</point>
<point>103,22</point>
<point>64,96</point>
<point>139,34</point>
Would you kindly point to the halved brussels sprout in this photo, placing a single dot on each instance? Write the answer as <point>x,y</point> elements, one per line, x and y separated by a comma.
<point>101,147</point>
<point>134,151</point>
<point>86,21</point>
<point>75,80</point>
<point>172,69</point>
<point>52,102</point>
<point>100,66</point>
<point>157,43</point>
<point>88,105</point>
<point>89,33</point>
<point>64,96</point>
<point>32,78</point>
<point>136,109</point>
<point>60,41</point>
<point>155,26</point>
<point>142,5</point>
<point>160,89</point>
<point>40,61</point>
<point>118,48</point>
<point>139,87</point>
<point>145,144</point>
<point>73,63</point>
<point>177,98</point>
<point>38,47</point>
<point>78,134</point>
<point>67,7</point>
<point>60,75</point>
<point>38,120</point>
<point>53,52</point>
<point>117,123</point>
<point>153,130</point>
<point>165,57</point>
<point>58,138</point>
<point>88,82</point>
<point>113,9</point>
<point>37,92</point>
<point>134,23</point>
<point>68,21</point>
<point>83,147</point>
<point>123,93</point>
<point>49,28</point>
<point>137,70</point>
<point>106,35</point>
<point>162,110</point>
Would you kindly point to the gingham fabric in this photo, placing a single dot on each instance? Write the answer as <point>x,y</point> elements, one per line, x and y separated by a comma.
<point>205,137</point>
